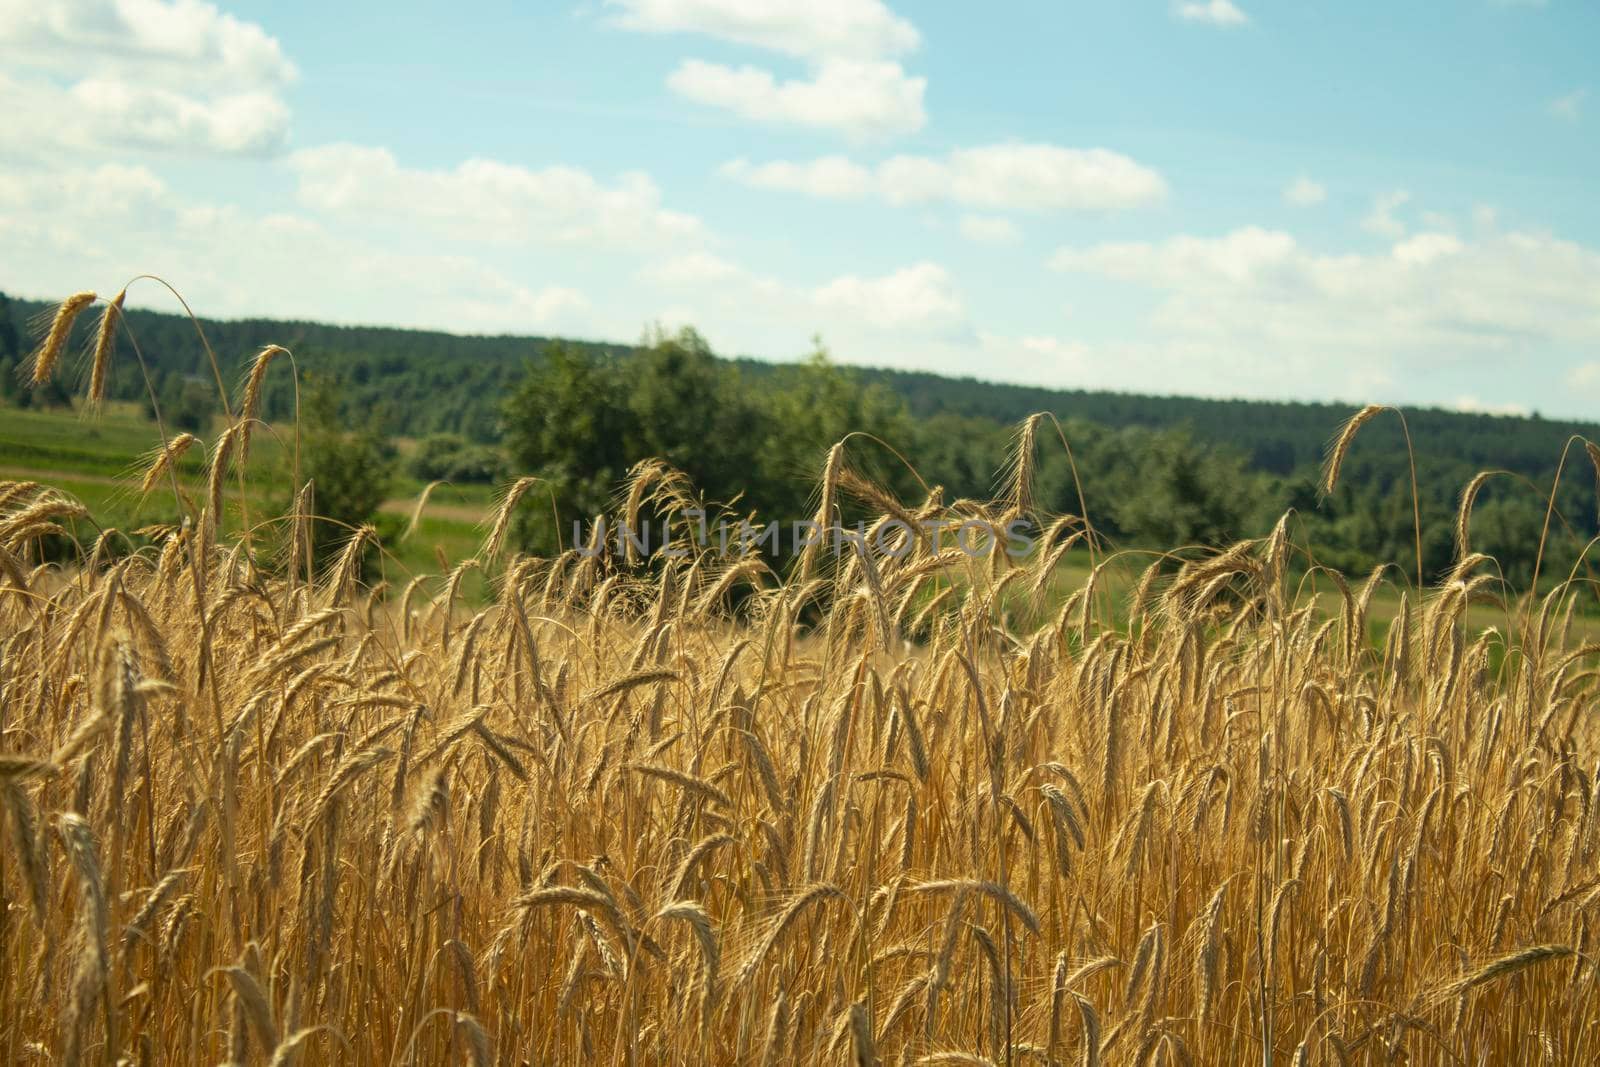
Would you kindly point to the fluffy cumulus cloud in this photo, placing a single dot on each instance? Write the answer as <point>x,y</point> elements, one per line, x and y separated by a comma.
<point>1383,219</point>
<point>830,177</point>
<point>254,122</point>
<point>459,248</point>
<point>1070,362</point>
<point>97,226</point>
<point>1263,305</point>
<point>1212,12</point>
<point>1304,192</point>
<point>1424,248</point>
<point>865,98</point>
<point>990,230</point>
<point>171,41</point>
<point>1471,404</point>
<point>854,83</point>
<point>811,29</point>
<point>180,75</point>
<point>921,300</point>
<point>1022,177</point>
<point>922,296</point>
<point>1585,376</point>
<point>485,200</point>
<point>103,96</point>
<point>694,268</point>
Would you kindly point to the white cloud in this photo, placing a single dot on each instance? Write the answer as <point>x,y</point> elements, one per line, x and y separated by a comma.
<point>1213,12</point>
<point>862,98</point>
<point>1256,306</point>
<point>178,76</point>
<point>486,200</point>
<point>920,300</point>
<point>97,227</point>
<point>696,268</point>
<point>921,296</point>
<point>1238,257</point>
<point>1469,402</point>
<point>1035,176</point>
<point>181,43</point>
<point>812,29</point>
<point>1033,359</point>
<point>828,177</point>
<point>108,188</point>
<point>1570,106</point>
<point>1381,220</point>
<point>1059,358</point>
<point>557,304</point>
<point>854,84</point>
<point>1426,247</point>
<point>1027,177</point>
<point>989,230</point>
<point>1304,192</point>
<point>148,117</point>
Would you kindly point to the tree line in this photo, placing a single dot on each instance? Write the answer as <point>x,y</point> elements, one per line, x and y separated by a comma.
<point>1154,471</point>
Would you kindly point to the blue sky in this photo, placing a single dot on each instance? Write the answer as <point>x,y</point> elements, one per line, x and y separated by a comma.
<point>1347,201</point>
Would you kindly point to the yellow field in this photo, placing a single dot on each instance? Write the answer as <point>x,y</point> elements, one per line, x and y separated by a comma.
<point>698,815</point>
<point>913,806</point>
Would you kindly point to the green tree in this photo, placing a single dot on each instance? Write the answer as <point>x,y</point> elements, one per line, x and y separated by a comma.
<point>451,457</point>
<point>351,468</point>
<point>10,337</point>
<point>694,412</point>
<point>814,404</point>
<point>14,385</point>
<point>1183,493</point>
<point>569,423</point>
<point>188,404</point>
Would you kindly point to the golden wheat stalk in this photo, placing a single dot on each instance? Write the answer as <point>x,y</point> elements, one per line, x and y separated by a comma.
<point>495,543</point>
<point>55,339</point>
<point>104,345</point>
<point>1342,442</point>
<point>164,459</point>
<point>251,412</point>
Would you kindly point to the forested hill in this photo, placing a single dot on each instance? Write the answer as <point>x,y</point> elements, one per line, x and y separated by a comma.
<point>428,381</point>
<point>1277,437</point>
<point>416,381</point>
<point>1155,470</point>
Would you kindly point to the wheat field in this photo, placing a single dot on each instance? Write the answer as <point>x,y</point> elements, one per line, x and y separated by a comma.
<point>918,807</point>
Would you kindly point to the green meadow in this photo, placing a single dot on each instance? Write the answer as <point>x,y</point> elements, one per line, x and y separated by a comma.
<point>99,459</point>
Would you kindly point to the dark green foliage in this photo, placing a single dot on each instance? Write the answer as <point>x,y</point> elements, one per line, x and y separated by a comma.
<point>581,420</point>
<point>569,422</point>
<point>1184,493</point>
<point>688,407</point>
<point>14,386</point>
<point>452,458</point>
<point>187,403</point>
<point>351,468</point>
<point>808,406</point>
<point>416,381</point>
<point>1156,471</point>
<point>10,336</point>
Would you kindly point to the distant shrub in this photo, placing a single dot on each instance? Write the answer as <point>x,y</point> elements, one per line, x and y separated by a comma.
<point>452,458</point>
